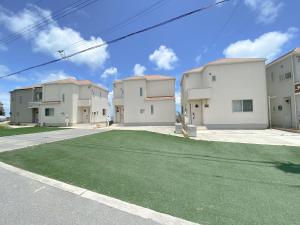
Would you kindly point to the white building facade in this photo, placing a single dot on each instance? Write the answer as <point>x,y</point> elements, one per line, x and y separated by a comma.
<point>283,85</point>
<point>59,102</point>
<point>226,94</point>
<point>145,100</point>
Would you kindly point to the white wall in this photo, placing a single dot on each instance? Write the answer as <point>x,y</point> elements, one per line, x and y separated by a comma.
<point>137,109</point>
<point>20,113</point>
<point>238,81</point>
<point>282,88</point>
<point>160,88</point>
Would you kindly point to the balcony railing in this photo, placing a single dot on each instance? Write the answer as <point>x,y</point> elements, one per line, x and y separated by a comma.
<point>118,101</point>
<point>84,102</point>
<point>33,104</point>
<point>199,93</point>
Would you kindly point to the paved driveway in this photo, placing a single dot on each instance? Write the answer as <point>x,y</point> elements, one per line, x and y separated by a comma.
<point>8,143</point>
<point>267,137</point>
<point>26,201</point>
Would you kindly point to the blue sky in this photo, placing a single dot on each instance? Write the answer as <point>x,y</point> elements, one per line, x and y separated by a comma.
<point>245,28</point>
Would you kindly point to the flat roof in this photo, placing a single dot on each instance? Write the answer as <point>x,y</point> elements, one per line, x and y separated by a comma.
<point>146,77</point>
<point>225,61</point>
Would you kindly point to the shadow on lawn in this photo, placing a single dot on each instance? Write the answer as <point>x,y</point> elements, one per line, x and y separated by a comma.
<point>288,167</point>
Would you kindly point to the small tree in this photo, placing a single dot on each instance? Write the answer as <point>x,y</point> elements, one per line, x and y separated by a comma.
<point>2,112</point>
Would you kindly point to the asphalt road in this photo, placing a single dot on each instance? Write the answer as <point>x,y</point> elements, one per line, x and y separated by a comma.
<point>24,201</point>
<point>8,143</point>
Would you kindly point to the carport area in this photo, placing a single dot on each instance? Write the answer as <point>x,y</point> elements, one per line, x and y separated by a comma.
<point>266,137</point>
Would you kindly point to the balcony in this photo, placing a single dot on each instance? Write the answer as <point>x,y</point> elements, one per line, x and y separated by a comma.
<point>33,105</point>
<point>84,102</point>
<point>199,93</point>
<point>118,101</point>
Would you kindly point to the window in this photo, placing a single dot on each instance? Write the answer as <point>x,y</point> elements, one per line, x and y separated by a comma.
<point>152,109</point>
<point>142,111</point>
<point>49,112</point>
<point>242,105</point>
<point>196,106</point>
<point>103,112</point>
<point>63,97</point>
<point>247,106</point>
<point>122,92</point>
<point>213,78</point>
<point>20,99</point>
<point>279,108</point>
<point>141,91</point>
<point>288,75</point>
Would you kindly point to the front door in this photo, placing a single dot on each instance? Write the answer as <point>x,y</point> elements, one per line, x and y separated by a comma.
<point>196,113</point>
<point>122,114</point>
<point>85,115</point>
<point>287,112</point>
<point>35,112</point>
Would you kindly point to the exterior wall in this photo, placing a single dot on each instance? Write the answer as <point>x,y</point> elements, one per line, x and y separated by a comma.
<point>237,81</point>
<point>64,99</point>
<point>283,89</point>
<point>96,98</point>
<point>133,102</point>
<point>20,113</point>
<point>53,98</point>
<point>160,88</point>
<point>137,109</point>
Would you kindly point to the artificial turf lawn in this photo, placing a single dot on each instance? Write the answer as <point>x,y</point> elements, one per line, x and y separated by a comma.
<point>5,131</point>
<point>205,182</point>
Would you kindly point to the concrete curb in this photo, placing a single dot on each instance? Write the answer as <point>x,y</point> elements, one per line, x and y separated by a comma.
<point>136,210</point>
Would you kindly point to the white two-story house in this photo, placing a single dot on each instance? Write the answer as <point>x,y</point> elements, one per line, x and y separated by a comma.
<point>145,100</point>
<point>226,94</point>
<point>59,102</point>
<point>283,85</point>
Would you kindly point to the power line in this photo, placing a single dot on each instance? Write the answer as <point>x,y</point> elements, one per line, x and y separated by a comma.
<point>73,7</point>
<point>120,38</point>
<point>221,30</point>
<point>126,22</point>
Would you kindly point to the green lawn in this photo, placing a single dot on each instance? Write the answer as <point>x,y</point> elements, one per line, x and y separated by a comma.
<point>205,182</point>
<point>6,131</point>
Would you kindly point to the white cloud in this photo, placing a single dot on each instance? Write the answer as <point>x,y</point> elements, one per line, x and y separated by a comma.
<point>52,37</point>
<point>268,45</point>
<point>17,78</point>
<point>112,71</point>
<point>56,38</point>
<point>164,58</point>
<point>267,10</point>
<point>139,70</point>
<point>30,16</point>
<point>59,75</point>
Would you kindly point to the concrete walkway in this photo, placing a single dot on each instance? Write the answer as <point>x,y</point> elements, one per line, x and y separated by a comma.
<point>8,143</point>
<point>266,137</point>
<point>26,201</point>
